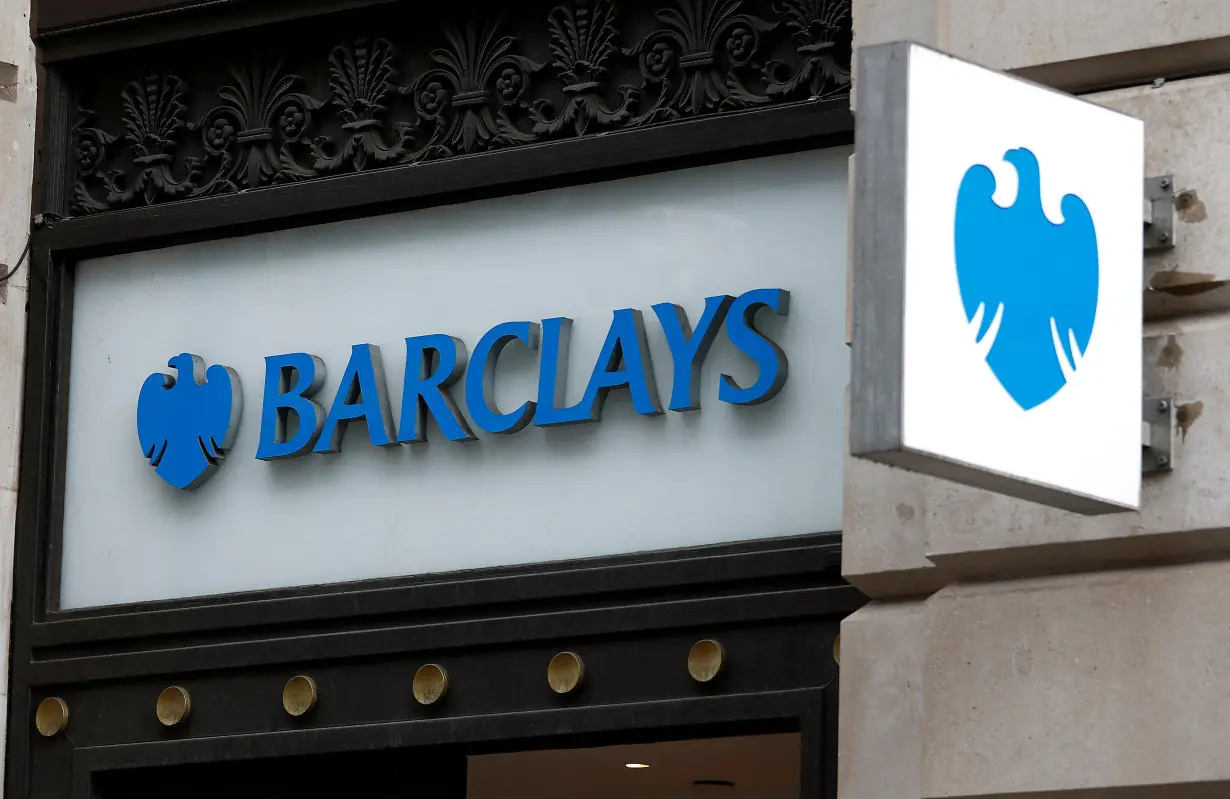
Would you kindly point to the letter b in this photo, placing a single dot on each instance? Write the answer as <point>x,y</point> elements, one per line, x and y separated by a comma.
<point>281,401</point>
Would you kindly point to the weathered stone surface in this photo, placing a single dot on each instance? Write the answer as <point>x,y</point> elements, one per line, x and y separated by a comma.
<point>1187,134</point>
<point>1071,45</point>
<point>1092,43</point>
<point>18,104</point>
<point>884,537</point>
<point>878,21</point>
<point>12,362</point>
<point>1112,683</point>
<point>879,740</point>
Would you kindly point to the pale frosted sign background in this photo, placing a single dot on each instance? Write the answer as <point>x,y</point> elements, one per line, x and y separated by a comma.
<point>626,484</point>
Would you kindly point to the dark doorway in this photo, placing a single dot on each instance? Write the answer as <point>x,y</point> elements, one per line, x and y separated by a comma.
<point>743,767</point>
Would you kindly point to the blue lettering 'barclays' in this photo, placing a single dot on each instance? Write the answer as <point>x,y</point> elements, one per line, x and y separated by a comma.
<point>1029,287</point>
<point>184,427</point>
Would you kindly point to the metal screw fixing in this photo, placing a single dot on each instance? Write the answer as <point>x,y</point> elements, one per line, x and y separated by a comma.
<point>1163,406</point>
<point>1162,460</point>
<point>1165,183</point>
<point>1163,237</point>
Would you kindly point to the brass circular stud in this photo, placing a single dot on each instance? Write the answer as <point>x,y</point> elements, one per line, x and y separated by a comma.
<point>837,648</point>
<point>430,684</point>
<point>299,695</point>
<point>565,672</point>
<point>174,705</point>
<point>706,660</point>
<point>51,717</point>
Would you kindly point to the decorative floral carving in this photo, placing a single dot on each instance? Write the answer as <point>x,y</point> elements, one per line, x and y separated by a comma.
<point>153,115</point>
<point>257,110</point>
<point>817,27</point>
<point>482,90</point>
<point>361,79</point>
<point>92,145</point>
<point>468,97</point>
<point>582,43</point>
<point>698,54</point>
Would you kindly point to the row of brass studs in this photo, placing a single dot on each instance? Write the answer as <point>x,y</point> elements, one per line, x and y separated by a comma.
<point>565,673</point>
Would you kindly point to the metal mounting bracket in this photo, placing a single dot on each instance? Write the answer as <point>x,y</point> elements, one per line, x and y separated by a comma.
<point>1157,435</point>
<point>1159,213</point>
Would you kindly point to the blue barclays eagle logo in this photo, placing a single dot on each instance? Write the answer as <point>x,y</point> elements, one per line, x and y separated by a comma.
<point>186,425</point>
<point>1030,287</point>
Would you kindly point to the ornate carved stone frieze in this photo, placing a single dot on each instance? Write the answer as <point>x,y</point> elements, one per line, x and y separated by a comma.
<point>395,85</point>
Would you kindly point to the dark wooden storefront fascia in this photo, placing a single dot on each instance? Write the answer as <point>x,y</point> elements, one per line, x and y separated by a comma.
<point>142,171</point>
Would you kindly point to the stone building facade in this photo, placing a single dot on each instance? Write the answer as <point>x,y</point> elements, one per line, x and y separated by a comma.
<point>1014,650</point>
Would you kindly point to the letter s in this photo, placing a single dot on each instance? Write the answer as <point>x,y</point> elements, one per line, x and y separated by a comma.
<point>769,358</point>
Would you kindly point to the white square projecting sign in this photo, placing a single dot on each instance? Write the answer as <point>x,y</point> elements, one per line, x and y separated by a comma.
<point>997,283</point>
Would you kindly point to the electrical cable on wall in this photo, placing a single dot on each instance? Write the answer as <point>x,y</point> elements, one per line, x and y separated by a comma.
<point>38,221</point>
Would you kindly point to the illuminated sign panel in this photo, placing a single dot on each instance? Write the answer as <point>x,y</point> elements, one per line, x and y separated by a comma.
<point>398,355</point>
<point>996,302</point>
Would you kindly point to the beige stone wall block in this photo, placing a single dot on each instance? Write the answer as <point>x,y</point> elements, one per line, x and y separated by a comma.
<point>17,118</point>
<point>15,45</point>
<point>1071,45</point>
<point>1187,133</point>
<point>879,744</point>
<point>884,535</point>
<point>18,104</point>
<point>12,379</point>
<point>1091,42</point>
<point>878,21</point>
<point>883,551</point>
<point>1112,683</point>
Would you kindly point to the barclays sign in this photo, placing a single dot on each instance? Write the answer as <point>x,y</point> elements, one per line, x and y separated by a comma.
<point>187,424</point>
<point>461,355</point>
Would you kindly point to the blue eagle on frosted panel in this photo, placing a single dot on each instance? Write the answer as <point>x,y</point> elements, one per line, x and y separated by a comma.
<point>186,425</point>
<point>1039,278</point>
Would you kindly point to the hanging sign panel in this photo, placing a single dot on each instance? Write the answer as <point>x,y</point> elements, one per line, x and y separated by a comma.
<point>996,298</point>
<point>637,365</point>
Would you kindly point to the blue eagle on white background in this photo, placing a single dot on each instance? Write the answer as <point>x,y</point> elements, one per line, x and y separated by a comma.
<point>187,424</point>
<point>1029,284</point>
